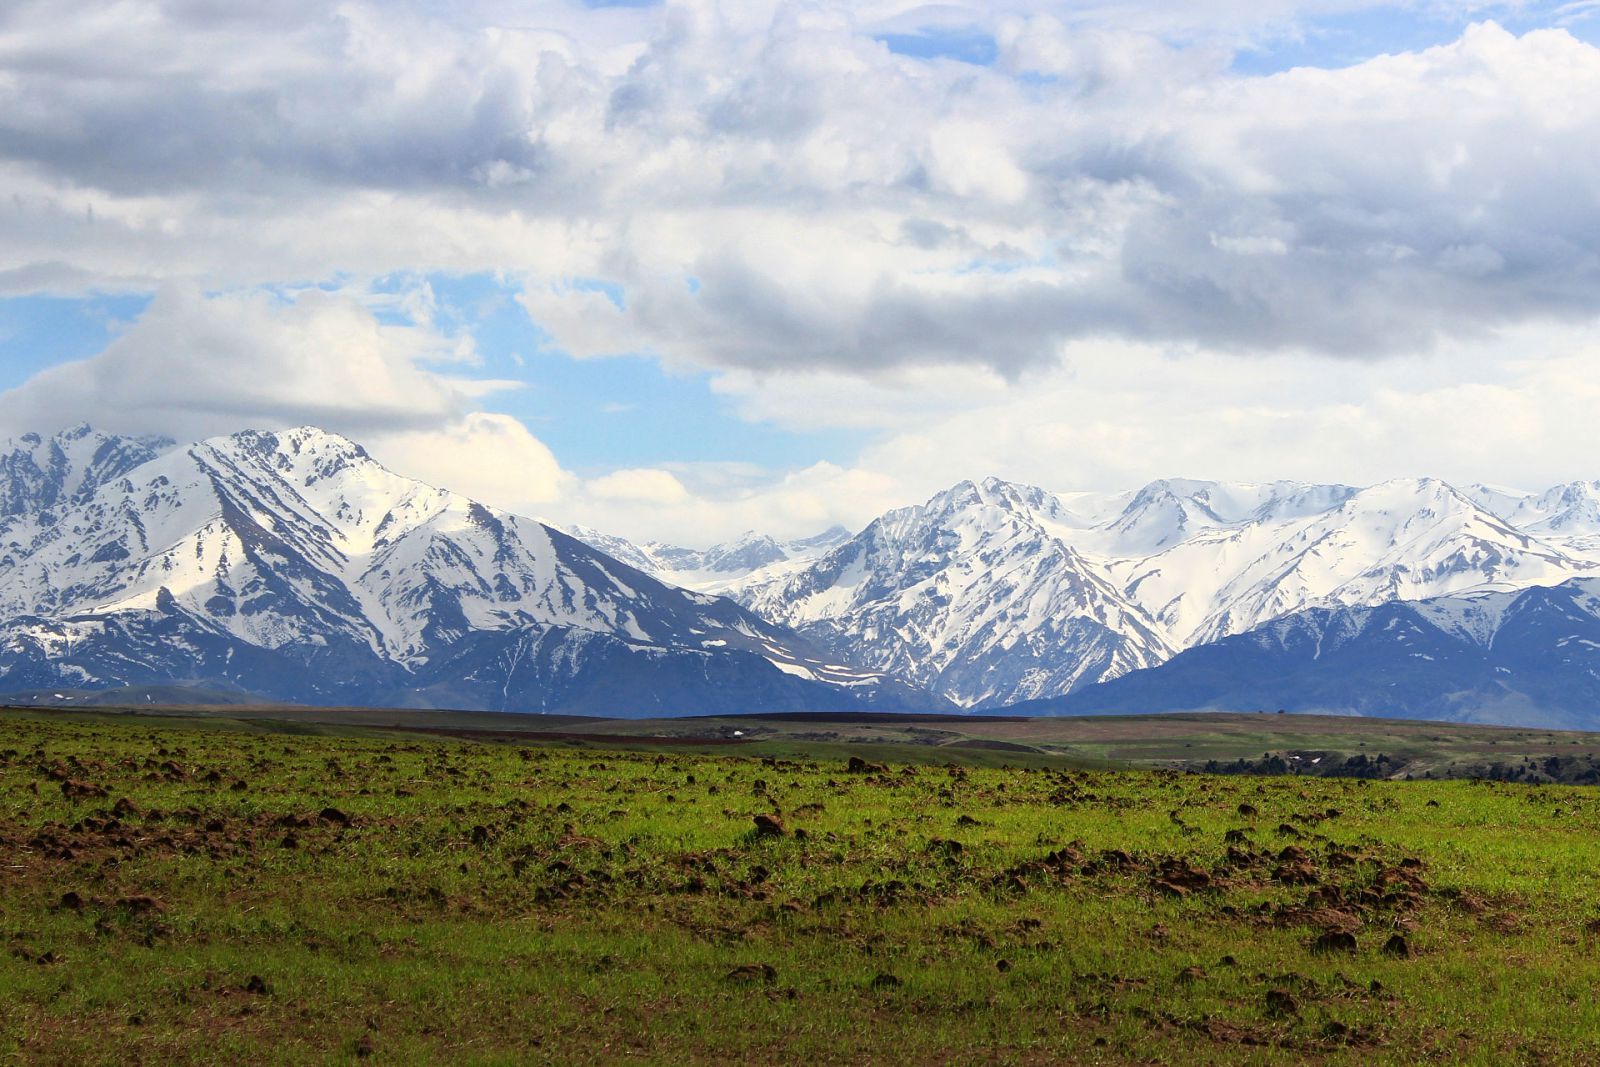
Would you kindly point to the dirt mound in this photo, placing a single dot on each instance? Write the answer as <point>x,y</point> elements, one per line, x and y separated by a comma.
<point>1280,1003</point>
<point>1336,940</point>
<point>750,973</point>
<point>1178,877</point>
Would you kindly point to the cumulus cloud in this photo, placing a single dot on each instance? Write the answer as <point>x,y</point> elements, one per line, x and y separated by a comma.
<point>772,187</point>
<point>194,365</point>
<point>489,457</point>
<point>1117,415</point>
<point>1104,257</point>
<point>699,504</point>
<point>640,486</point>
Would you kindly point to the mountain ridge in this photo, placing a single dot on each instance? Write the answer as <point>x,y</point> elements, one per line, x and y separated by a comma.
<point>290,563</point>
<point>1174,564</point>
<point>1523,657</point>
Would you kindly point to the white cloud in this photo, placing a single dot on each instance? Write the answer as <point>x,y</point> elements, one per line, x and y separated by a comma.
<point>490,458</point>
<point>749,176</point>
<point>639,486</point>
<point>699,505</point>
<point>1511,410</point>
<point>1107,258</point>
<point>195,365</point>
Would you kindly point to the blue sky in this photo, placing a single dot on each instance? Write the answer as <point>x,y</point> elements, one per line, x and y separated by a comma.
<point>1326,41</point>
<point>599,414</point>
<point>1347,39</point>
<point>617,411</point>
<point>718,262</point>
<point>40,331</point>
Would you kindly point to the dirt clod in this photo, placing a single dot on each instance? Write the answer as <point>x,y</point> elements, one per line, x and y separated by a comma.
<point>1177,877</point>
<point>1281,1003</point>
<point>141,905</point>
<point>1334,941</point>
<point>752,972</point>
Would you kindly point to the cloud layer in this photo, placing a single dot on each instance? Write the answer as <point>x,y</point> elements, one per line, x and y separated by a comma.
<point>776,188</point>
<point>1104,255</point>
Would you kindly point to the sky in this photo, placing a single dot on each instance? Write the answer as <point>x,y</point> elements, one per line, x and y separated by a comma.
<point>681,270</point>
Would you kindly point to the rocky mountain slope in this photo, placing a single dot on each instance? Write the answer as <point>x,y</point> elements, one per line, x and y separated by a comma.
<point>1529,657</point>
<point>992,592</point>
<point>974,594</point>
<point>721,567</point>
<point>293,566</point>
<point>38,473</point>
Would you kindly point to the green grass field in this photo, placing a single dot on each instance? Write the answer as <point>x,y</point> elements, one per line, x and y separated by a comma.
<point>182,891</point>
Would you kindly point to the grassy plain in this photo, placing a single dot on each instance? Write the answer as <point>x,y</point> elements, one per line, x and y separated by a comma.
<point>260,890</point>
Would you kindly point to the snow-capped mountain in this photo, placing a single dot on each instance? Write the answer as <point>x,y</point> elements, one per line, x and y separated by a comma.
<point>1567,516</point>
<point>1401,540</point>
<point>976,594</point>
<point>292,565</point>
<point>1529,657</point>
<point>720,567</point>
<point>994,592</point>
<point>38,473</point>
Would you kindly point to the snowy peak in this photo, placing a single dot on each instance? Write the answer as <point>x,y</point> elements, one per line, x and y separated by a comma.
<point>995,494</point>
<point>973,594</point>
<point>1567,510</point>
<point>1565,515</point>
<point>1436,540</point>
<point>1163,514</point>
<point>832,537</point>
<point>929,589</point>
<point>298,544</point>
<point>1294,500</point>
<point>652,557</point>
<point>721,567</point>
<point>1405,539</point>
<point>750,552</point>
<point>305,453</point>
<point>1171,511</point>
<point>38,473</point>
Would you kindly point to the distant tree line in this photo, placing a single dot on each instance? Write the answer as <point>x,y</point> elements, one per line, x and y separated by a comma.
<point>1311,764</point>
<point>1561,770</point>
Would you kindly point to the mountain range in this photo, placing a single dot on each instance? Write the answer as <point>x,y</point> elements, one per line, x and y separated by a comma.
<point>1525,657</point>
<point>993,593</point>
<point>292,566</point>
